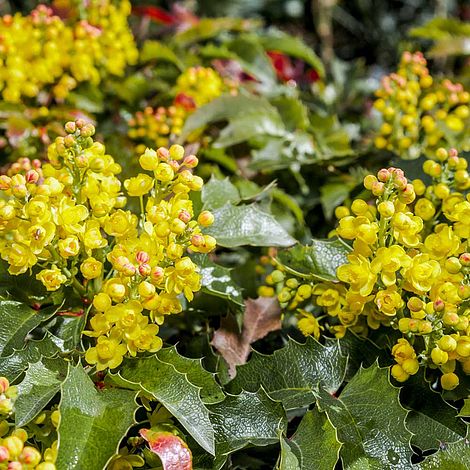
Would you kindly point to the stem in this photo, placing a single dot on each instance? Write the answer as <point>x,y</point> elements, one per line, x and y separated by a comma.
<point>81,291</point>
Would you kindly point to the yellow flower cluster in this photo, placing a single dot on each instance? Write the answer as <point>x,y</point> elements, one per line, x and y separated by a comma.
<point>14,454</point>
<point>409,270</point>
<point>68,217</point>
<point>420,113</point>
<point>42,52</point>
<point>200,84</point>
<point>157,127</point>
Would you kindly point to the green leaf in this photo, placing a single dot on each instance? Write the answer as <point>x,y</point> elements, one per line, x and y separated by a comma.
<point>92,422</point>
<point>430,412</point>
<point>315,428</point>
<point>253,58</point>
<point>452,457</point>
<point>14,365</point>
<point>248,418</point>
<point>216,193</point>
<point>207,28</point>
<point>334,193</point>
<point>69,331</point>
<point>465,410</point>
<point>369,419</point>
<point>287,458</point>
<point>195,373</point>
<point>320,260</point>
<point>226,108</point>
<point>293,373</point>
<point>176,393</point>
<point>17,321</point>
<point>217,280</point>
<point>156,50</point>
<point>247,225</point>
<point>293,112</point>
<point>250,125</point>
<point>41,382</point>
<point>293,46</point>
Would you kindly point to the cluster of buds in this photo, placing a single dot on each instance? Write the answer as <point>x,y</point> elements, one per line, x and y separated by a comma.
<point>157,127</point>
<point>68,217</point>
<point>42,52</point>
<point>420,114</point>
<point>409,270</point>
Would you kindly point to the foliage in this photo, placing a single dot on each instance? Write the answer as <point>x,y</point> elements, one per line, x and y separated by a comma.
<point>267,304</point>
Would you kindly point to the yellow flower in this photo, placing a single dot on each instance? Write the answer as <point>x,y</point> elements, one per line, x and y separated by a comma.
<point>91,268</point>
<point>389,260</point>
<point>92,237</point>
<point>52,278</point>
<point>108,353</point>
<point>357,273</point>
<point>70,216</point>
<point>138,185</point>
<point>121,223</point>
<point>406,228</point>
<point>69,246</point>
<point>422,274</point>
<point>443,243</point>
<point>19,257</point>
<point>308,324</point>
<point>388,301</point>
<point>360,228</point>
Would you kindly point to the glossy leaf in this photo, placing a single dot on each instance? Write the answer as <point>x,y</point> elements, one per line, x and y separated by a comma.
<point>226,108</point>
<point>210,391</point>
<point>17,321</point>
<point>217,280</point>
<point>315,442</point>
<point>248,418</point>
<point>92,422</point>
<point>176,393</point>
<point>216,193</point>
<point>247,225</point>
<point>452,457</point>
<point>171,449</point>
<point>40,384</point>
<point>369,419</point>
<point>293,373</point>
<point>320,260</point>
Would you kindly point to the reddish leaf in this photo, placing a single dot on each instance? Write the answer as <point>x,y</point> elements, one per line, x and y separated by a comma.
<point>172,450</point>
<point>262,316</point>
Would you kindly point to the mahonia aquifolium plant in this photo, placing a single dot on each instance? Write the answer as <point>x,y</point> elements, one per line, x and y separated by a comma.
<point>18,449</point>
<point>42,50</point>
<point>68,219</point>
<point>421,113</point>
<point>409,270</point>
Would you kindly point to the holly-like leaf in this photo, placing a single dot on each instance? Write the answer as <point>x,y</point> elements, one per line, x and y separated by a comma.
<point>315,428</point>
<point>175,391</point>
<point>171,449</point>
<point>16,363</point>
<point>320,260</point>
<point>287,458</point>
<point>156,50</point>
<point>227,108</point>
<point>17,321</point>
<point>216,193</point>
<point>247,225</point>
<point>369,419</point>
<point>92,422</point>
<point>293,374</point>
<point>248,418</point>
<point>217,280</point>
<point>430,412</point>
<point>261,316</point>
<point>195,373</point>
<point>40,384</point>
<point>452,457</point>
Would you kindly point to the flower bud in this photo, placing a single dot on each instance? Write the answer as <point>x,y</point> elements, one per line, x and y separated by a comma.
<point>142,257</point>
<point>184,216</point>
<point>191,161</point>
<point>176,152</point>
<point>14,445</point>
<point>378,188</point>
<point>439,356</point>
<point>146,289</point>
<point>386,209</point>
<point>447,343</point>
<point>102,302</point>
<point>205,218</point>
<point>145,269</point>
<point>464,259</point>
<point>70,127</point>
<point>383,175</point>
<point>163,154</point>
<point>369,180</point>
<point>4,385</point>
<point>449,381</point>
<point>453,265</point>
<point>410,366</point>
<point>157,273</point>
<point>399,374</point>
<point>4,454</point>
<point>32,176</point>
<point>30,456</point>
